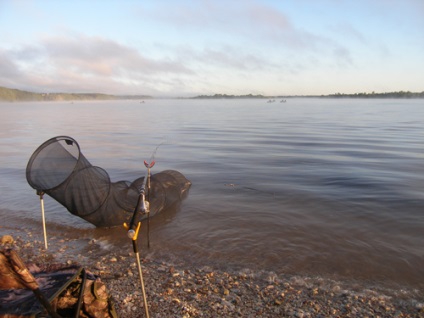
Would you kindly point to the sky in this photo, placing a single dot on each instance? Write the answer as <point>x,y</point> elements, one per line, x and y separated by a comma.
<point>189,48</point>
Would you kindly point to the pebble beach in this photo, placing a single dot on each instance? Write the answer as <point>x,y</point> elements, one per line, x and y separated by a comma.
<point>174,291</point>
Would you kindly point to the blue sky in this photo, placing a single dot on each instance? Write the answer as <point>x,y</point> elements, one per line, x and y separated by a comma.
<point>186,48</point>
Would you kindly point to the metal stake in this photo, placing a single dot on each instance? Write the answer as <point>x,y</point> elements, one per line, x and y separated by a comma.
<point>41,193</point>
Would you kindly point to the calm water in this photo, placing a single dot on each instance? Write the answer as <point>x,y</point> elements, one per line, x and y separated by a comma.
<point>325,187</point>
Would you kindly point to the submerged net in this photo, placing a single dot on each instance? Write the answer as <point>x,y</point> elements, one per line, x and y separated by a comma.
<point>59,169</point>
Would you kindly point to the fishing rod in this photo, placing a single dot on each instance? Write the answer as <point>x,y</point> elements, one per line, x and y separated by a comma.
<point>144,191</point>
<point>133,228</point>
<point>143,207</point>
<point>149,165</point>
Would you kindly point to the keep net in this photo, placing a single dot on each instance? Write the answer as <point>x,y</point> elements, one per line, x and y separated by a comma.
<point>59,169</point>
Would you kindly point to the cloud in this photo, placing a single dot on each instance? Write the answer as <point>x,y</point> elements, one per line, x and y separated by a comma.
<point>98,56</point>
<point>348,31</point>
<point>342,56</point>
<point>226,56</point>
<point>250,20</point>
<point>82,63</point>
<point>8,68</point>
<point>232,17</point>
<point>270,24</point>
<point>261,36</point>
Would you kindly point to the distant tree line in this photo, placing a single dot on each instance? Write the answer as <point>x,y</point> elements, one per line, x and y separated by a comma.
<point>12,95</point>
<point>400,94</point>
<point>219,96</point>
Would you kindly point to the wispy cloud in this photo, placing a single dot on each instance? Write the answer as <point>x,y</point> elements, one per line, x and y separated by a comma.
<point>249,20</point>
<point>96,56</point>
<point>8,67</point>
<point>81,63</point>
<point>258,33</point>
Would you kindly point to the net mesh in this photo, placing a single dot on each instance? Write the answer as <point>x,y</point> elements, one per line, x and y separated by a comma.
<point>59,169</point>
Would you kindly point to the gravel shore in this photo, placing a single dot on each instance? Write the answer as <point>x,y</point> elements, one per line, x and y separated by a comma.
<point>173,291</point>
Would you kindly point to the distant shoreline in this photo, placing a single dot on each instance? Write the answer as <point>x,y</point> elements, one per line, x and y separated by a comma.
<point>16,95</point>
<point>400,94</point>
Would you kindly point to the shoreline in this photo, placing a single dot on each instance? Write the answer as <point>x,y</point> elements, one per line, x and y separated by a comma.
<point>176,291</point>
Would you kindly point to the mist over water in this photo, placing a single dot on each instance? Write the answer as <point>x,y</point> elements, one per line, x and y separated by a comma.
<point>323,187</point>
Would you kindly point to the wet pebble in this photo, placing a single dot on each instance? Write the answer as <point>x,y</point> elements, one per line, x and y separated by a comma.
<point>172,291</point>
<point>6,239</point>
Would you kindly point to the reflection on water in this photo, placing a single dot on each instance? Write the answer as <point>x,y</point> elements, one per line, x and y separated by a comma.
<point>318,186</point>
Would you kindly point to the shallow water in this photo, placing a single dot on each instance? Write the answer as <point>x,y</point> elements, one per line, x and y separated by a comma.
<point>324,187</point>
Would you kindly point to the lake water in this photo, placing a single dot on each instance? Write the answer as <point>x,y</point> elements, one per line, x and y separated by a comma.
<point>324,187</point>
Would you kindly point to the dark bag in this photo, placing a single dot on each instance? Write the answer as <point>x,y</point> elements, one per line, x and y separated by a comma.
<point>59,291</point>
